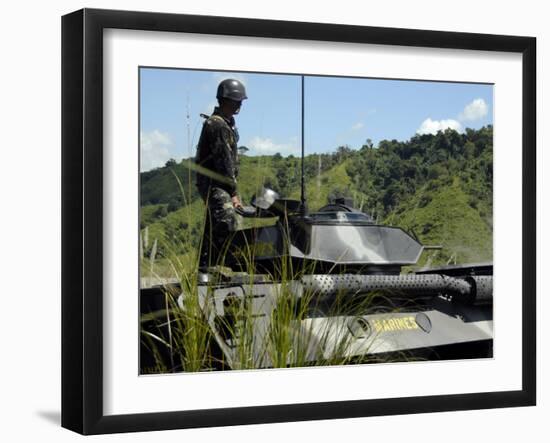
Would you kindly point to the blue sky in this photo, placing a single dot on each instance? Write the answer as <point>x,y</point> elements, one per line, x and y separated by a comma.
<point>338,111</point>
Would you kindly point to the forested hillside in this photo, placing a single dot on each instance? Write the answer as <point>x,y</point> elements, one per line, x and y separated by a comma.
<point>438,187</point>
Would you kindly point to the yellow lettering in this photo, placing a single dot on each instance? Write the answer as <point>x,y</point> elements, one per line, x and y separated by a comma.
<point>394,324</point>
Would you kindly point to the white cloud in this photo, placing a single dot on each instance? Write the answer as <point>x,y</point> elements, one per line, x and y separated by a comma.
<point>357,126</point>
<point>155,150</point>
<point>472,111</point>
<point>475,110</point>
<point>430,126</point>
<point>266,146</point>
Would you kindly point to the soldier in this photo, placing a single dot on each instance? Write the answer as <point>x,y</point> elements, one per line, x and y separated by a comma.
<point>217,171</point>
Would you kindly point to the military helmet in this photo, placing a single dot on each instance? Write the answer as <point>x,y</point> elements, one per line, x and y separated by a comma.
<point>232,89</point>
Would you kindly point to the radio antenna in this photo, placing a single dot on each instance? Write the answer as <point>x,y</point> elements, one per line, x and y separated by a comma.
<point>303,206</point>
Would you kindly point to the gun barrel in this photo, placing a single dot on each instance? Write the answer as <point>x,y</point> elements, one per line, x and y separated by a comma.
<point>409,284</point>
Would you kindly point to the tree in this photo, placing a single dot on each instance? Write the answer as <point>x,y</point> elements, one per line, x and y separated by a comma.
<point>170,163</point>
<point>469,150</point>
<point>343,152</point>
<point>368,145</point>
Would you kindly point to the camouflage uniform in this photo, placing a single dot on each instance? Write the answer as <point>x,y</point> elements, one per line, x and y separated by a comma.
<point>217,160</point>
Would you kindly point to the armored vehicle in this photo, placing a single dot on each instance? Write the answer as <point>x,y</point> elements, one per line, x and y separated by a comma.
<point>334,287</point>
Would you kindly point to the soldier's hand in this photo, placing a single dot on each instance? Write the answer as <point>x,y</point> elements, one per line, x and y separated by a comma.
<point>236,201</point>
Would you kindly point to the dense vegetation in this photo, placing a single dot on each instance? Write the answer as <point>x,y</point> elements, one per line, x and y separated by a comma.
<point>439,187</point>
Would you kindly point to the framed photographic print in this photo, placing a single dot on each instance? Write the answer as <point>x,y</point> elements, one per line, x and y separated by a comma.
<point>271,221</point>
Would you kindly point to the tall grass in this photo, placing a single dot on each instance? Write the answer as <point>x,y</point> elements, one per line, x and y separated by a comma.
<point>183,330</point>
<point>300,328</point>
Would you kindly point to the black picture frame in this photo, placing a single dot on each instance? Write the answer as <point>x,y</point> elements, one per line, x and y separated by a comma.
<point>82,218</point>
